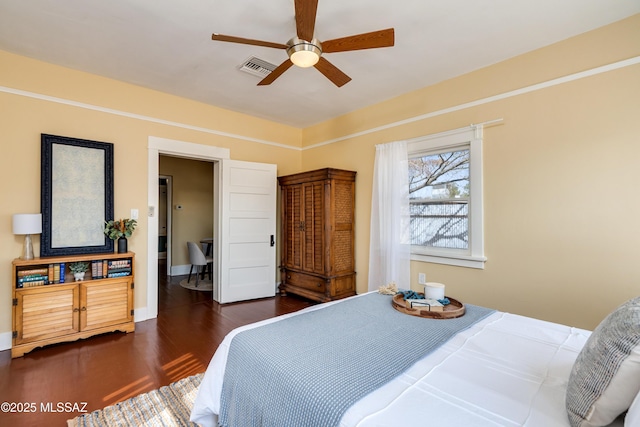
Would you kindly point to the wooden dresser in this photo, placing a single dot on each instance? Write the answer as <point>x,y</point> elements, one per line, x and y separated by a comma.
<point>317,211</point>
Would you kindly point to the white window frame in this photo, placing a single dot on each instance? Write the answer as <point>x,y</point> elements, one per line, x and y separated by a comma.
<point>471,138</point>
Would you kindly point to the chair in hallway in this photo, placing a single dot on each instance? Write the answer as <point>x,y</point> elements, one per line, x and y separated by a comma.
<point>197,258</point>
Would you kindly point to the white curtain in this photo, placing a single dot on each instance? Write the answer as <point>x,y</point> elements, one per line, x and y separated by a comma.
<point>390,245</point>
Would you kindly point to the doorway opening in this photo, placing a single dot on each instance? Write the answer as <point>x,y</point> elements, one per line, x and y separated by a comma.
<point>185,214</point>
<point>173,148</point>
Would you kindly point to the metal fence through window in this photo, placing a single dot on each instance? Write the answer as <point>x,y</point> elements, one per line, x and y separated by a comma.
<point>440,224</point>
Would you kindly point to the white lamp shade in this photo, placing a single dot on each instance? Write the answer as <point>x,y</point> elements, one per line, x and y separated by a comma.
<point>27,223</point>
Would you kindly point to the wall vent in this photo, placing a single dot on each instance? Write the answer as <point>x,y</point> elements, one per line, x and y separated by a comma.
<point>257,67</point>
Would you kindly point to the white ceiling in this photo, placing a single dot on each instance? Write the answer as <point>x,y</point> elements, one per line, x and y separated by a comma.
<point>166,45</point>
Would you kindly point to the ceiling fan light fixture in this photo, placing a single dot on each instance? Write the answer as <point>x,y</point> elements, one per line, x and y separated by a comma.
<point>302,53</point>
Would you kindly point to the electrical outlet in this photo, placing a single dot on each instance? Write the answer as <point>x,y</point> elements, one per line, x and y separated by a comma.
<point>422,278</point>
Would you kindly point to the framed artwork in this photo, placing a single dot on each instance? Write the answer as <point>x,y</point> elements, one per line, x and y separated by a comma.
<point>76,196</point>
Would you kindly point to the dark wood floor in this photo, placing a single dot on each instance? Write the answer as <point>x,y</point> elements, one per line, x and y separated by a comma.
<point>109,368</point>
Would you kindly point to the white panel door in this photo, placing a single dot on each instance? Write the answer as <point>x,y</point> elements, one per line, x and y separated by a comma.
<point>247,231</point>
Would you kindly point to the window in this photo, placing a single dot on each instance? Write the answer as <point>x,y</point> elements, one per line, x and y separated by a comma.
<point>445,196</point>
<point>439,199</point>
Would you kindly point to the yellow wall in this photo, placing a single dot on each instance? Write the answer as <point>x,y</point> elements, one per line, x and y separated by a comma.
<point>560,172</point>
<point>560,176</point>
<point>192,188</point>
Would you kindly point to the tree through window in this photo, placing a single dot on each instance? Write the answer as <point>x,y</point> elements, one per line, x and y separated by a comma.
<point>439,199</point>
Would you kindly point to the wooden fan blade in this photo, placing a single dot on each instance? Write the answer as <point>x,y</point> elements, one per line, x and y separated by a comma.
<point>232,39</point>
<point>280,69</point>
<point>382,38</point>
<point>332,72</point>
<point>306,18</point>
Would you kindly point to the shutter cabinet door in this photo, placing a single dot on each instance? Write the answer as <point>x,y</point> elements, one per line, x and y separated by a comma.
<point>313,225</point>
<point>44,312</point>
<point>105,303</point>
<point>292,224</point>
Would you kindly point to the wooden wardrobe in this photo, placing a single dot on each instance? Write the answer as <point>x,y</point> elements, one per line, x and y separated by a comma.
<point>317,212</point>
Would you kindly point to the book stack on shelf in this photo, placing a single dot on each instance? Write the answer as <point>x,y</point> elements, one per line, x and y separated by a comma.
<point>32,277</point>
<point>40,275</point>
<point>56,273</point>
<point>119,267</point>
<point>99,269</point>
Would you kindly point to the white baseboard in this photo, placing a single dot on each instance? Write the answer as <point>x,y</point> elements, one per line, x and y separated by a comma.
<point>180,270</point>
<point>5,340</point>
<point>140,314</point>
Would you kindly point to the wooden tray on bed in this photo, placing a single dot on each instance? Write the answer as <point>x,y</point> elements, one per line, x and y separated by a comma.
<point>451,311</point>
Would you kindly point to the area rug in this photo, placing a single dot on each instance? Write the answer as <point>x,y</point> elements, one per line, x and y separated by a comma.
<point>167,406</point>
<point>203,285</point>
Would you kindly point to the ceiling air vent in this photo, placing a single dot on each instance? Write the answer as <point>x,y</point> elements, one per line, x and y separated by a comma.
<point>257,67</point>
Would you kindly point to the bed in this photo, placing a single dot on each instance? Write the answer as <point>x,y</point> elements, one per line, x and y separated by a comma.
<point>497,369</point>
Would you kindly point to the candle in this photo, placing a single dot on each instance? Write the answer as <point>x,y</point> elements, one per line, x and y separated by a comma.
<point>434,290</point>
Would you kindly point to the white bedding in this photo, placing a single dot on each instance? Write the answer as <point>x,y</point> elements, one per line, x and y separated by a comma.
<point>506,370</point>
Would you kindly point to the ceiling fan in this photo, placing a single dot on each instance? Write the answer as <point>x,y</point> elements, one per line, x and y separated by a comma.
<point>306,51</point>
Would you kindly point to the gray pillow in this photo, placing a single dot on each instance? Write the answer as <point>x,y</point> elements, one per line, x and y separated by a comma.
<point>606,374</point>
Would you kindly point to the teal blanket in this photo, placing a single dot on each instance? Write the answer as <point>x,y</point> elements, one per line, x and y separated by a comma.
<point>307,370</point>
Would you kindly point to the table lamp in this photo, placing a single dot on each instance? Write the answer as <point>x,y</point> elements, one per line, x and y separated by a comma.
<point>27,224</point>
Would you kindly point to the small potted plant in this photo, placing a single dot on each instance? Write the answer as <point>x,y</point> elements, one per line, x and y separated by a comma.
<point>120,230</point>
<point>78,269</point>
